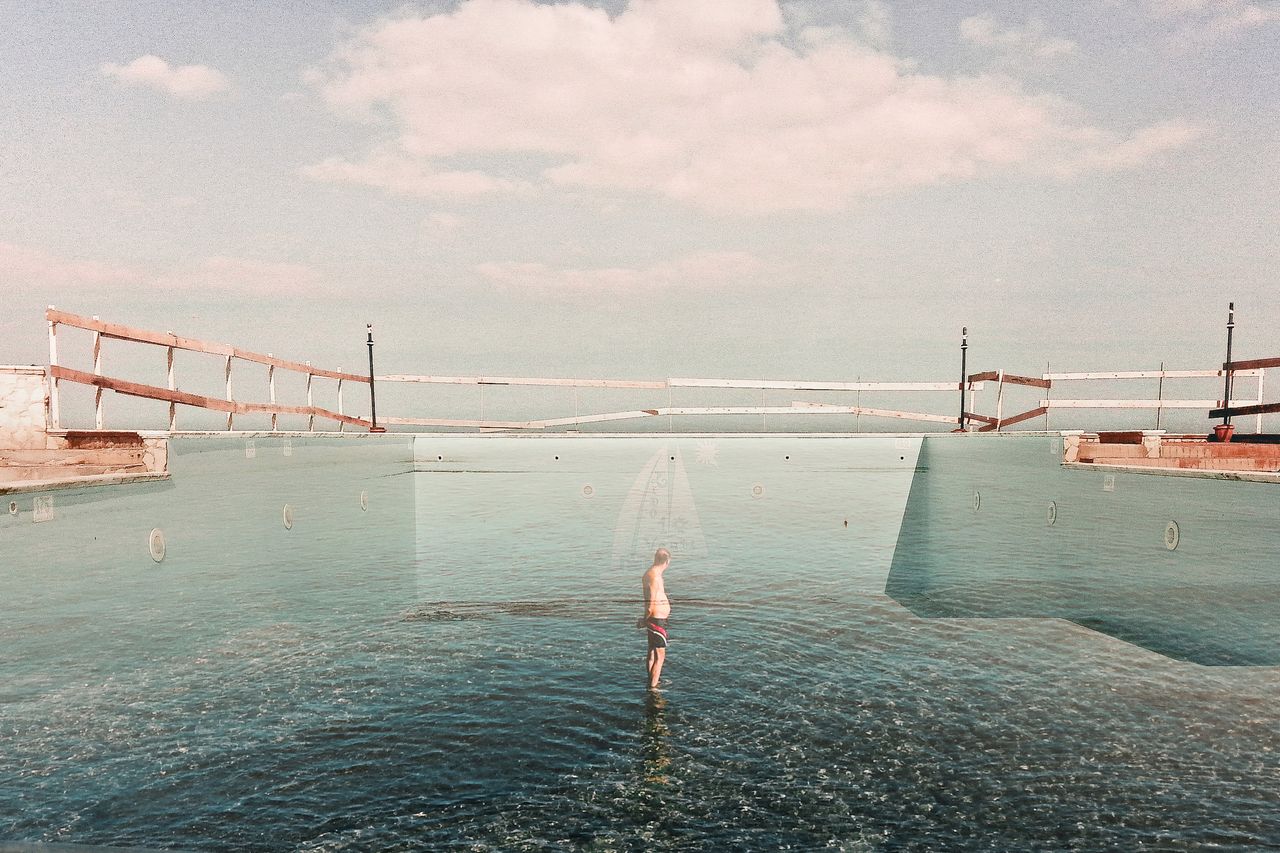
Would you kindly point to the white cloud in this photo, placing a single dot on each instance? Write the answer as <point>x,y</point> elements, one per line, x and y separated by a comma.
<point>29,266</point>
<point>1201,23</point>
<point>1101,151</point>
<point>876,23</point>
<point>395,172</point>
<point>1028,42</point>
<point>702,269</point>
<point>35,268</point>
<point>243,275</point>
<point>442,221</point>
<point>715,105</point>
<point>189,82</point>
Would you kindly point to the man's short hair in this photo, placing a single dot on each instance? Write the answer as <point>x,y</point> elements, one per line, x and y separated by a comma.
<point>661,556</point>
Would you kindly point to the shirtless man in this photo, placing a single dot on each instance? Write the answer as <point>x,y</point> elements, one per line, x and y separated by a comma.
<point>657,607</point>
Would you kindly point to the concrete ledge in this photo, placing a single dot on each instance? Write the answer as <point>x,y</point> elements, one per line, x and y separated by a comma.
<point>1197,473</point>
<point>62,483</point>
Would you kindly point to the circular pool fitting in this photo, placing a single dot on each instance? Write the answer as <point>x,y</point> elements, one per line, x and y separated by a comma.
<point>1052,515</point>
<point>155,544</point>
<point>977,500</point>
<point>439,458</point>
<point>13,507</point>
<point>588,491</point>
<point>364,500</point>
<point>757,491</point>
<point>1172,535</point>
<point>287,516</point>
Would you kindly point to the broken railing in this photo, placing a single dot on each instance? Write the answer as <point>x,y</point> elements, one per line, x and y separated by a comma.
<point>1231,409</point>
<point>670,410</point>
<point>171,394</point>
<point>1056,381</point>
<point>660,399</point>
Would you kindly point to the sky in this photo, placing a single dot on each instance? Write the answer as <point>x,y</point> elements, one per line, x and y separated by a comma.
<point>748,189</point>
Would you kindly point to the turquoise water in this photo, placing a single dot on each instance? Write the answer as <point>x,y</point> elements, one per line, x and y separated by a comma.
<point>457,667</point>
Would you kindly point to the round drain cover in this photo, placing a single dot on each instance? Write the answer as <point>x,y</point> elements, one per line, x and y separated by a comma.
<point>155,544</point>
<point>1172,535</point>
<point>287,516</point>
<point>757,491</point>
<point>364,500</point>
<point>1052,515</point>
<point>977,500</point>
<point>588,491</point>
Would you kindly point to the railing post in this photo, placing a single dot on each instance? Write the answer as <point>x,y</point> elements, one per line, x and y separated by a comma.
<point>230,414</point>
<point>1262,372</point>
<point>1000,401</point>
<point>271,389</point>
<point>964,376</point>
<point>173,386</point>
<point>342,426</point>
<point>1226,393</point>
<point>97,371</point>
<point>54,417</point>
<point>1048,394</point>
<point>373,405</point>
<point>311,419</point>
<point>1160,395</point>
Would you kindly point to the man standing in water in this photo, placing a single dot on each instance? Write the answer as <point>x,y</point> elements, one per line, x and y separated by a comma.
<point>657,607</point>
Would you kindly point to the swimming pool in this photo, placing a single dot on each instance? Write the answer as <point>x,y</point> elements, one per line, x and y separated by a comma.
<point>438,651</point>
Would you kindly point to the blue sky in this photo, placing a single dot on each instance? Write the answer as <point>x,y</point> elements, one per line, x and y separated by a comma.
<point>648,189</point>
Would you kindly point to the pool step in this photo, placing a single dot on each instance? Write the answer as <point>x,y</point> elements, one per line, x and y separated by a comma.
<point>24,465</point>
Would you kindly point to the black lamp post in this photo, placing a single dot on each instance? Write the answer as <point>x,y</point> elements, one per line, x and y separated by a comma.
<point>373,404</point>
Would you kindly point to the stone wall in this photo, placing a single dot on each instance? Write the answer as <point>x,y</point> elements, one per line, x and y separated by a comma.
<point>24,404</point>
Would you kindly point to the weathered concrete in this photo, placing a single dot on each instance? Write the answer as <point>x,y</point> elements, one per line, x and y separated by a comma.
<point>24,407</point>
<point>1156,450</point>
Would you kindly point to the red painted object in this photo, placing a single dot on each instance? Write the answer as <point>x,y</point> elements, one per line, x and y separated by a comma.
<point>1224,431</point>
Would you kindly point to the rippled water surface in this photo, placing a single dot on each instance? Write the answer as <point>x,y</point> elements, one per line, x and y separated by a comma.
<point>465,673</point>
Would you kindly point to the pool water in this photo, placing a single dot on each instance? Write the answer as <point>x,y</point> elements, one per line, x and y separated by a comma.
<point>457,666</point>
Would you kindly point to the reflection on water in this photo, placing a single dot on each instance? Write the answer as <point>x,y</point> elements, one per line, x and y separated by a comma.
<point>655,741</point>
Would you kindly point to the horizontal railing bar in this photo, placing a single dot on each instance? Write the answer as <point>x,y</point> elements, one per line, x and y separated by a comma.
<point>800,408</point>
<point>521,380</point>
<point>593,419</point>
<point>1148,374</point>
<point>801,385</point>
<point>1134,404</point>
<point>1016,419</point>
<point>153,392</point>
<point>142,336</point>
<point>1238,366</point>
<point>1012,378</point>
<point>457,422</point>
<point>1258,409</point>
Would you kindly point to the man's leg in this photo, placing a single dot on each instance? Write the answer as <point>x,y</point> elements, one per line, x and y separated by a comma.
<point>656,658</point>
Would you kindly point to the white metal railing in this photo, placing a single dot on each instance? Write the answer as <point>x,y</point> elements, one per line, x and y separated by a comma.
<point>665,408</point>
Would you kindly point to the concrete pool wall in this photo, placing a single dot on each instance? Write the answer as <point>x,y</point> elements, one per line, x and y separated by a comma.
<point>950,526</point>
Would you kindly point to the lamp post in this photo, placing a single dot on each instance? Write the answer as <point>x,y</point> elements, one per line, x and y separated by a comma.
<point>373,405</point>
<point>1226,368</point>
<point>964,352</point>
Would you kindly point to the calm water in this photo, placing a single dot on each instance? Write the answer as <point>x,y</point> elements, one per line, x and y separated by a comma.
<point>458,668</point>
